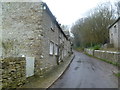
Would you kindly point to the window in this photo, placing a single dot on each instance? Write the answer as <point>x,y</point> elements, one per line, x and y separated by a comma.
<point>51,48</point>
<point>65,52</point>
<point>56,49</point>
<point>60,41</point>
<point>52,26</point>
<point>44,7</point>
<point>62,54</point>
<point>115,26</point>
<point>60,35</point>
<point>115,29</point>
<point>63,39</point>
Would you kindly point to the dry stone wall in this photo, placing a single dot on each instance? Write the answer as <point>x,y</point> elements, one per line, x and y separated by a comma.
<point>108,55</point>
<point>89,51</point>
<point>22,31</point>
<point>13,72</point>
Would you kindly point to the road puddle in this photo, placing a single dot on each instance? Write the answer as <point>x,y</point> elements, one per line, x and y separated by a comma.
<point>76,68</point>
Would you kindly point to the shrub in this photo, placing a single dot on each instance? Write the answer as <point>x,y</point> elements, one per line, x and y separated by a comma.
<point>96,47</point>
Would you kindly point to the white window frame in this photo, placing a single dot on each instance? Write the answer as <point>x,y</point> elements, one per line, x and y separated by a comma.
<point>65,52</point>
<point>51,50</point>
<point>60,35</point>
<point>56,49</point>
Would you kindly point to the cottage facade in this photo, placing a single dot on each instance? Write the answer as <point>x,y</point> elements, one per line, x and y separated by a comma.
<point>30,30</point>
<point>114,34</point>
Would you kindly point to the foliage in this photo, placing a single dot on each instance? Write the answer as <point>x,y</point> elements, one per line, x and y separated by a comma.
<point>96,47</point>
<point>92,30</point>
<point>118,8</point>
<point>117,74</point>
<point>80,49</point>
<point>65,28</point>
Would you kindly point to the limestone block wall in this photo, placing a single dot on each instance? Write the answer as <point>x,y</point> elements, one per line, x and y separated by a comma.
<point>22,30</point>
<point>68,47</point>
<point>13,72</point>
<point>89,51</point>
<point>119,35</point>
<point>0,29</point>
<point>0,74</point>
<point>49,35</point>
<point>25,31</point>
<point>108,55</point>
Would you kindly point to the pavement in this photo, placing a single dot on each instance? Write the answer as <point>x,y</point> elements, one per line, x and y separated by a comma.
<point>87,72</point>
<point>49,78</point>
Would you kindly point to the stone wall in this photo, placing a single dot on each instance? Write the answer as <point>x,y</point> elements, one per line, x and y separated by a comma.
<point>47,60</point>
<point>22,30</point>
<point>108,55</point>
<point>89,51</point>
<point>119,35</point>
<point>26,32</point>
<point>51,33</point>
<point>0,74</point>
<point>13,72</point>
<point>0,29</point>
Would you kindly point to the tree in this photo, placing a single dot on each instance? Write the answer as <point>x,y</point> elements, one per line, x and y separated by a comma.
<point>92,29</point>
<point>65,28</point>
<point>118,8</point>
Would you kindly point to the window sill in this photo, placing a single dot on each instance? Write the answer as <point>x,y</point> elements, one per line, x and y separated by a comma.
<point>51,54</point>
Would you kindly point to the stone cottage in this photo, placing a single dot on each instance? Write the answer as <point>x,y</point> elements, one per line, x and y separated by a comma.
<point>32,41</point>
<point>114,34</point>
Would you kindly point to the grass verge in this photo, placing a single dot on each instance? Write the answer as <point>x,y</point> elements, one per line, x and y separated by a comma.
<point>79,49</point>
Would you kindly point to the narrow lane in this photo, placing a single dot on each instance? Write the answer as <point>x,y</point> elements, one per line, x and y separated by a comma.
<point>87,72</point>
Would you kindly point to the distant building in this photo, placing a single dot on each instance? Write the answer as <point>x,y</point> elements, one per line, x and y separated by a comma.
<point>114,34</point>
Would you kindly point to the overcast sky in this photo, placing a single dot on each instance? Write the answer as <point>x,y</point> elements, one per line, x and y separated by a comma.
<point>68,11</point>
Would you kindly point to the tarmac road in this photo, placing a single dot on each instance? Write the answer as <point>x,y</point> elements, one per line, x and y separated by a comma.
<point>87,72</point>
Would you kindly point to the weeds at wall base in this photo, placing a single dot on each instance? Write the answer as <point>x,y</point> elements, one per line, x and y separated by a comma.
<point>117,74</point>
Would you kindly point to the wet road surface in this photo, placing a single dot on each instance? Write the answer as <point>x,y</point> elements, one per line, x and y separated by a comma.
<point>87,72</point>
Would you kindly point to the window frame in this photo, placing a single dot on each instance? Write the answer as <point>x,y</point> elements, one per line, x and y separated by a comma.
<point>51,48</point>
<point>52,26</point>
<point>115,28</point>
<point>56,49</point>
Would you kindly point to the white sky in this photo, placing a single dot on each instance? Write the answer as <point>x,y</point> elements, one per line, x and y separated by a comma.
<point>68,11</point>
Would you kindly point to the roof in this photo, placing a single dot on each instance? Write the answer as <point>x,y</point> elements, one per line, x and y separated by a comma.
<point>114,23</point>
<point>67,33</point>
<point>54,19</point>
